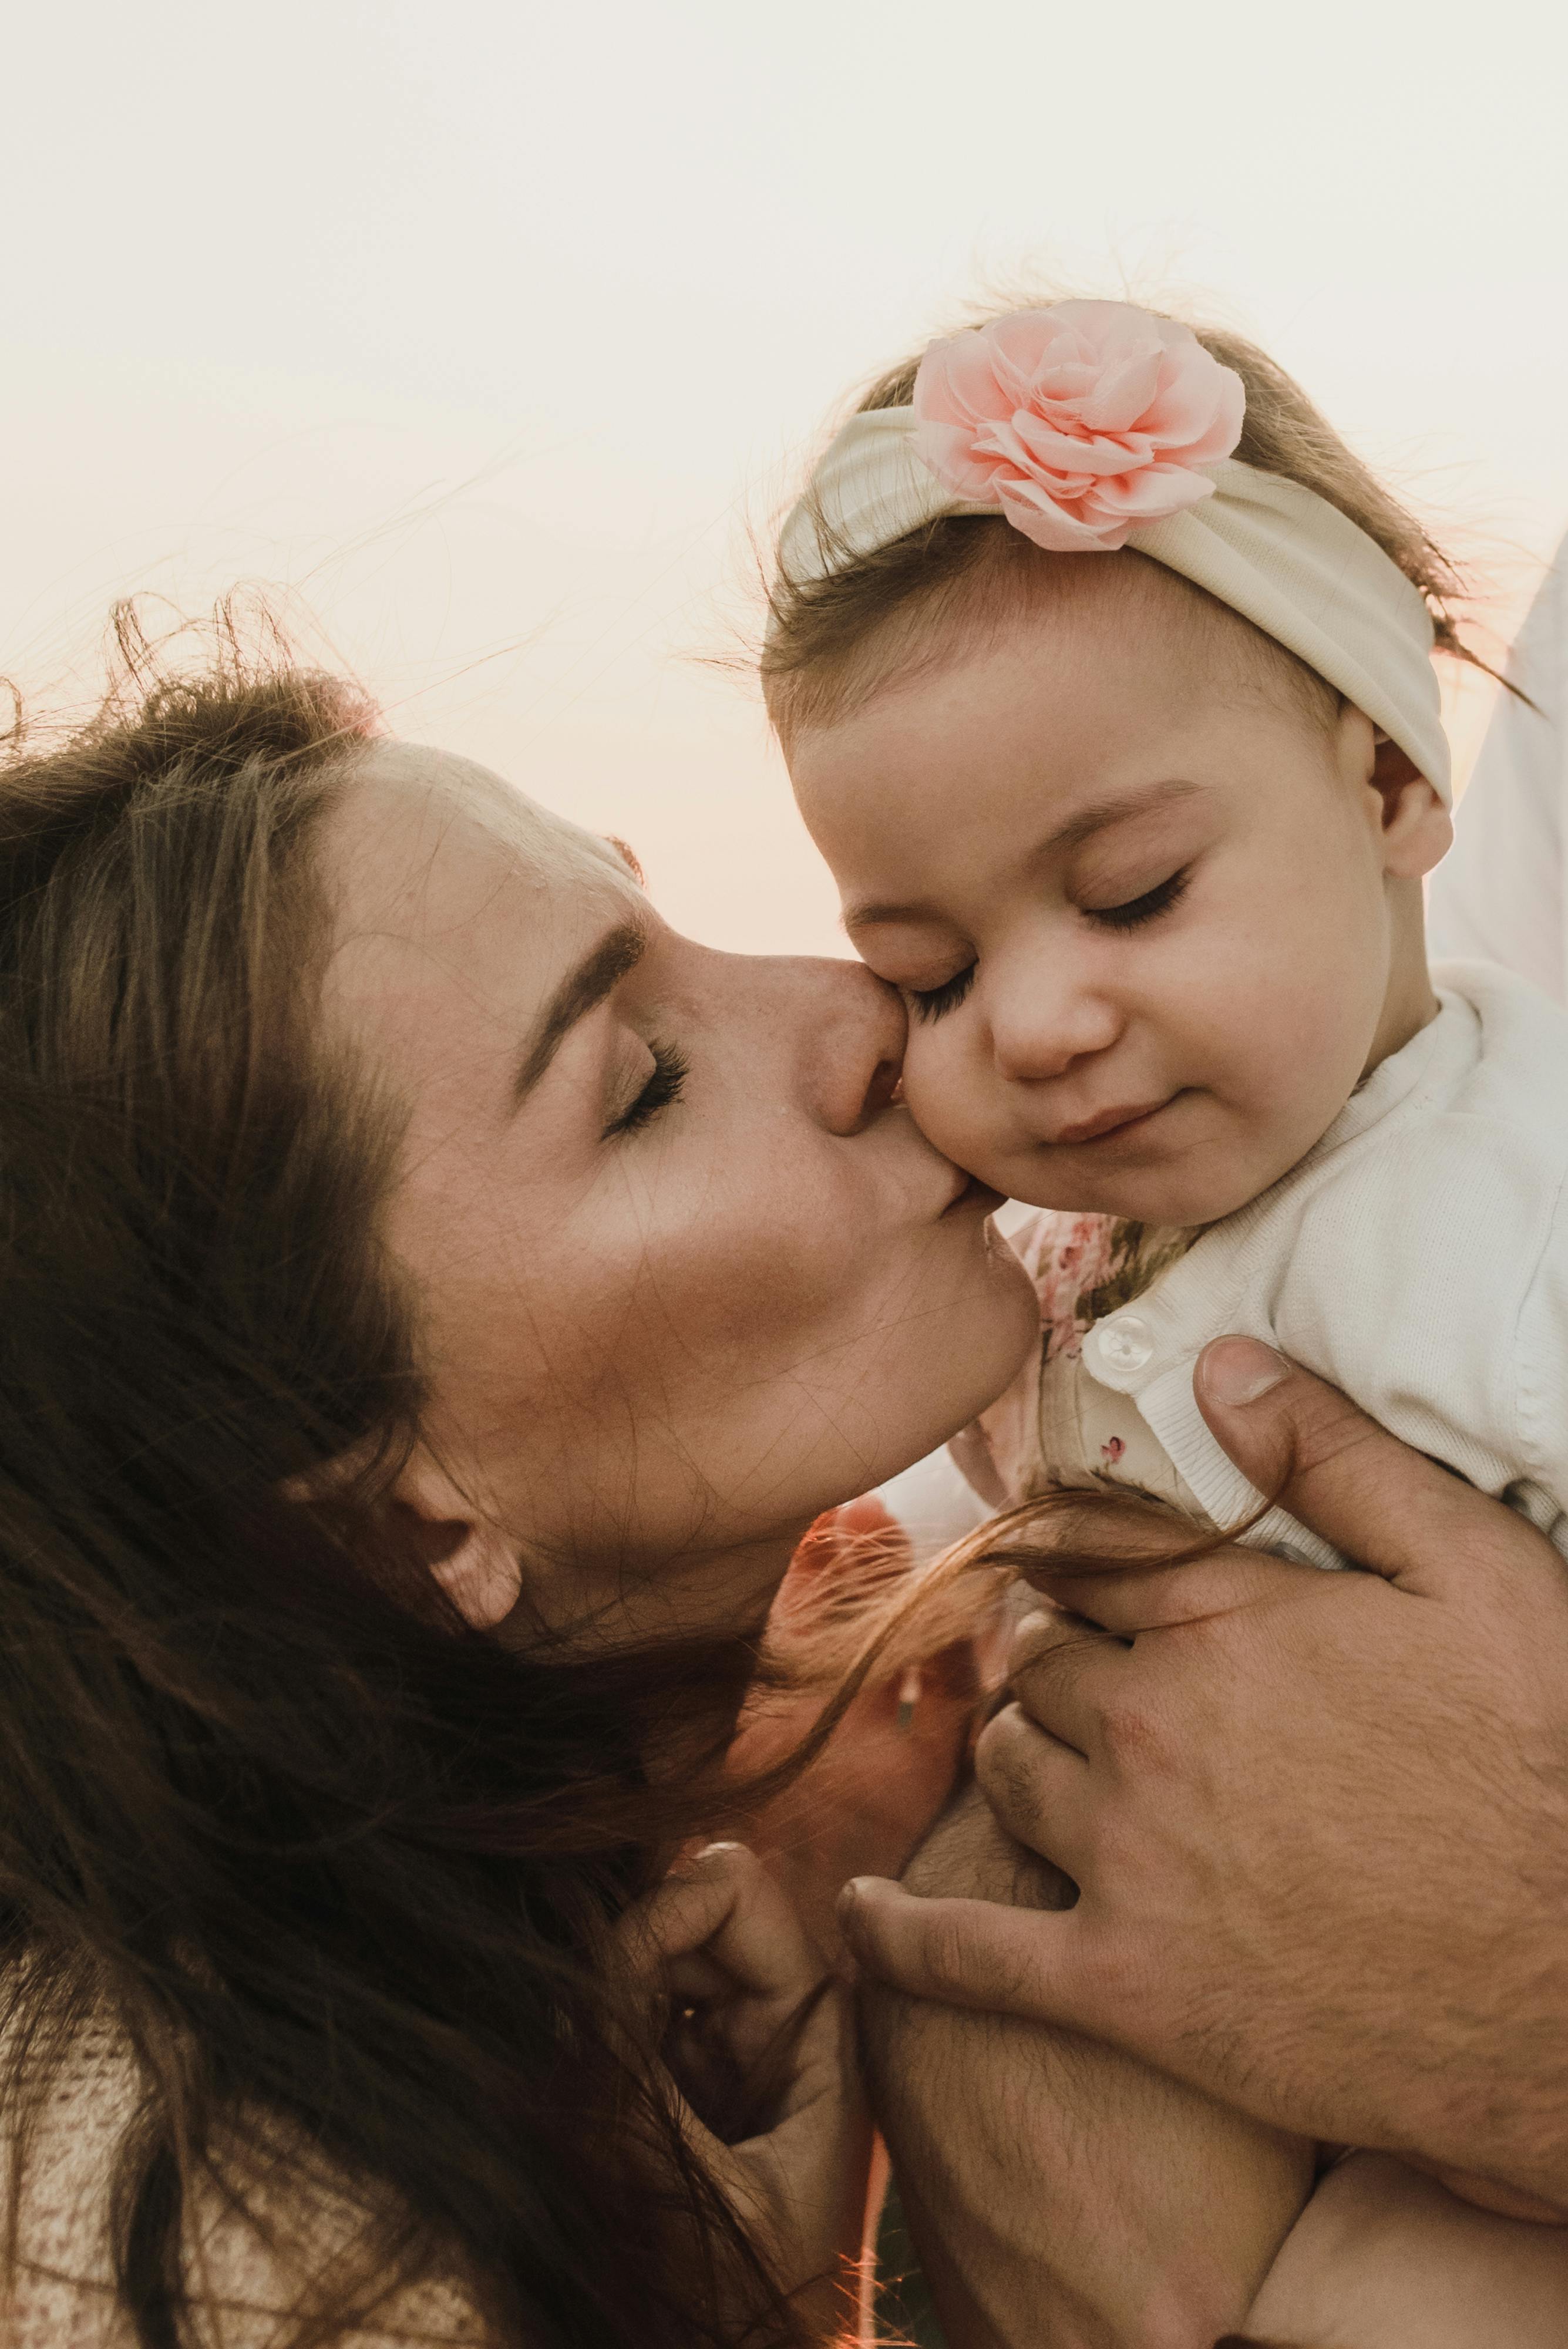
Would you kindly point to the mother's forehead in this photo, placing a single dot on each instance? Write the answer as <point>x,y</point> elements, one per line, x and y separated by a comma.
<point>423,799</point>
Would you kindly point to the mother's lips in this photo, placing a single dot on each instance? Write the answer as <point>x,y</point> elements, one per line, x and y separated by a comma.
<point>972,1193</point>
<point>1109,1121</point>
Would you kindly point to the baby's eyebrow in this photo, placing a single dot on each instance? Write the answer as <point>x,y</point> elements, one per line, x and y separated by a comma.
<point>1106,812</point>
<point>866,918</point>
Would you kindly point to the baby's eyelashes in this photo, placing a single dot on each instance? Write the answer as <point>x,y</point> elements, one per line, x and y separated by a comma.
<point>1121,914</point>
<point>935,1002</point>
<point>1132,912</point>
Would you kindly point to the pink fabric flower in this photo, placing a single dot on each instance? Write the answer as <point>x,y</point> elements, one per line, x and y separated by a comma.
<point>1080,421</point>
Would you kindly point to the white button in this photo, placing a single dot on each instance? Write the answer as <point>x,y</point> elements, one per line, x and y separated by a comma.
<point>1125,1343</point>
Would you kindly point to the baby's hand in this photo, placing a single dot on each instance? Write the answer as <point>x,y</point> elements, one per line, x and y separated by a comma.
<point>758,2041</point>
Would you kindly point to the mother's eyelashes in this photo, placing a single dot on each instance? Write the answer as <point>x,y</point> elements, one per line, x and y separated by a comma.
<point>665,1086</point>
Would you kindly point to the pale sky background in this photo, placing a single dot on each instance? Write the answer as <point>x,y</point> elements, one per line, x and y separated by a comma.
<point>485,333</point>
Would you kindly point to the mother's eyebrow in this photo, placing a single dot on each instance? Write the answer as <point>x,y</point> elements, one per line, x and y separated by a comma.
<point>584,987</point>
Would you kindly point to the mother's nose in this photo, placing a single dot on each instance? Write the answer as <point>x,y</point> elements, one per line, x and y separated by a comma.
<point>848,1030</point>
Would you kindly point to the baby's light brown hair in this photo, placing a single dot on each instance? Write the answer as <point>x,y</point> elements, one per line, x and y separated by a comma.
<point>833,640</point>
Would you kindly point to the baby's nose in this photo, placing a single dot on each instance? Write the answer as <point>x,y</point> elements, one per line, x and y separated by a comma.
<point>1038,1033</point>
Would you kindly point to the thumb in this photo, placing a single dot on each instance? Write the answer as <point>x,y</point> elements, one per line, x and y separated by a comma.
<point>962,1952</point>
<point>1389,1508</point>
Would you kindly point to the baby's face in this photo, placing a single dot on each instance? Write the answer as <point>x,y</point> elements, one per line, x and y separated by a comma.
<point>1145,912</point>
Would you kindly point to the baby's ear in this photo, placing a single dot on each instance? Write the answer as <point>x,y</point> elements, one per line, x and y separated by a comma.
<point>1418,830</point>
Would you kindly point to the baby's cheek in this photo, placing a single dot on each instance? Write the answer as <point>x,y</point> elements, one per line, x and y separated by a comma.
<point>1284,1075</point>
<point>955,1106</point>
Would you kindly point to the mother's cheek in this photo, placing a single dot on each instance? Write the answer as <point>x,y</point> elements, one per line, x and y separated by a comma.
<point>758,1239</point>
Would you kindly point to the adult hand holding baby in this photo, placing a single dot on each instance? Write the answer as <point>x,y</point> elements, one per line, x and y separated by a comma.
<point>1319,1822</point>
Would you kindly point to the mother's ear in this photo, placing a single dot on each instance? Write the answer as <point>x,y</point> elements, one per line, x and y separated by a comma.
<point>1418,829</point>
<point>465,1551</point>
<point>462,1549</point>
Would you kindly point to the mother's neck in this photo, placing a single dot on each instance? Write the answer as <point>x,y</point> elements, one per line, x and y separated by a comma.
<point>722,1593</point>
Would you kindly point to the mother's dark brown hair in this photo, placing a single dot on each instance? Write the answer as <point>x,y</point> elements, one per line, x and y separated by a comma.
<point>339,1869</point>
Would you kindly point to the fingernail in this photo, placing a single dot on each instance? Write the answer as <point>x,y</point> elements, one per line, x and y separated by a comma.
<point>1031,1626</point>
<point>1238,1371</point>
<point>909,1697</point>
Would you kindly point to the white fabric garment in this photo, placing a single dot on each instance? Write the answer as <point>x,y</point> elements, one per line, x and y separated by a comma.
<point>1417,1258</point>
<point>1501,889</point>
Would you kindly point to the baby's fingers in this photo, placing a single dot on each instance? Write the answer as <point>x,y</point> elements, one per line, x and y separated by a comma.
<point>756,2034</point>
<point>725,1908</point>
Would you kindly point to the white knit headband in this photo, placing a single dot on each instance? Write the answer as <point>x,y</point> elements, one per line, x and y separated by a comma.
<point>1092,425</point>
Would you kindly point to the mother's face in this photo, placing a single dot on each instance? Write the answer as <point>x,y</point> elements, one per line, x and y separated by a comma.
<point>687,1274</point>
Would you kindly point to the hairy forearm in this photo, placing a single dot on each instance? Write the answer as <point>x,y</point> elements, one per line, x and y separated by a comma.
<point>1061,2194</point>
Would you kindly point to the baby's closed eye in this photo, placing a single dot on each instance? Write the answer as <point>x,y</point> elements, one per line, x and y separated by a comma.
<point>1131,913</point>
<point>935,1002</point>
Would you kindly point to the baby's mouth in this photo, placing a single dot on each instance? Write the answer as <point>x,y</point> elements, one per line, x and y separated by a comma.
<point>1120,1120</point>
